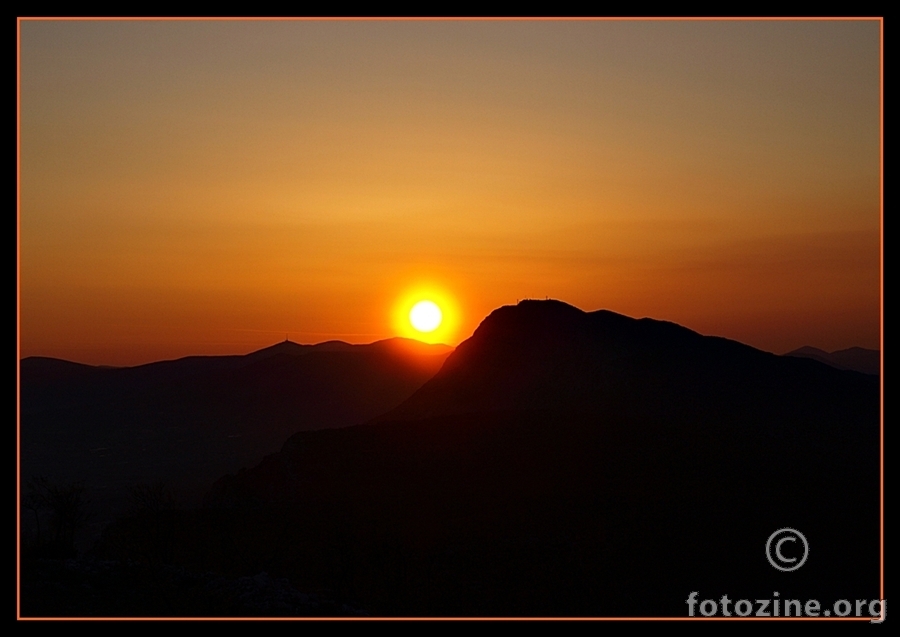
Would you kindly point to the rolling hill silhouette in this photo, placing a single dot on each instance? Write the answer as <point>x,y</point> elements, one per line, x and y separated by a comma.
<point>858,359</point>
<point>189,421</point>
<point>572,463</point>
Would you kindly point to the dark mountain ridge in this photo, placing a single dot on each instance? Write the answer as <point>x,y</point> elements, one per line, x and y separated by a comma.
<point>571,463</point>
<point>53,383</point>
<point>188,421</point>
<point>858,359</point>
<point>550,355</point>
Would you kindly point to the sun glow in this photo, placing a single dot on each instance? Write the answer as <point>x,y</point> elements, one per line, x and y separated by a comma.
<point>425,316</point>
<point>426,313</point>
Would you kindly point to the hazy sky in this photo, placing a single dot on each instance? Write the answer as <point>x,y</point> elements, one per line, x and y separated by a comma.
<point>207,187</point>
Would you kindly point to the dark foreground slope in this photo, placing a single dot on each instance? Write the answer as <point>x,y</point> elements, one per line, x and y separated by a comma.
<point>189,421</point>
<point>565,463</point>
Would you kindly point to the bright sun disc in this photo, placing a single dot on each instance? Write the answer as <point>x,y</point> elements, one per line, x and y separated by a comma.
<point>425,316</point>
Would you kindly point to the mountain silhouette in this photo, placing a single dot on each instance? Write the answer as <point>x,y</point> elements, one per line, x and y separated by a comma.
<point>858,359</point>
<point>550,355</point>
<point>577,463</point>
<point>560,462</point>
<point>188,421</point>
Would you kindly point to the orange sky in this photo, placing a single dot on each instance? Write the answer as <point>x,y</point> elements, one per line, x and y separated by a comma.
<point>208,187</point>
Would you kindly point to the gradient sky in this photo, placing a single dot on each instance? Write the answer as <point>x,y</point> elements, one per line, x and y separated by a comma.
<point>207,187</point>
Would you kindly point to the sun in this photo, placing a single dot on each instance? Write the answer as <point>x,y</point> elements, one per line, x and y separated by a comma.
<point>425,316</point>
<point>427,312</point>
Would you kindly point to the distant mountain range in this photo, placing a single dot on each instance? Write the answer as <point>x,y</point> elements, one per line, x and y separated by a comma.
<point>575,463</point>
<point>189,421</point>
<point>858,359</point>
